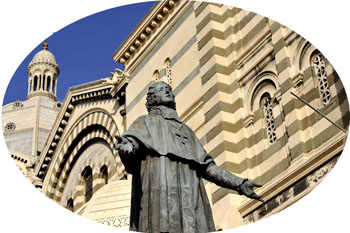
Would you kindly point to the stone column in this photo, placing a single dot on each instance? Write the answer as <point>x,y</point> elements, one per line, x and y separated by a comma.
<point>41,81</point>
<point>51,85</point>
<point>55,87</point>
<point>45,83</point>
<point>28,87</point>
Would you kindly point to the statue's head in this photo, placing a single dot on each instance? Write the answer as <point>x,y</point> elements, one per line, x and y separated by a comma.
<point>160,93</point>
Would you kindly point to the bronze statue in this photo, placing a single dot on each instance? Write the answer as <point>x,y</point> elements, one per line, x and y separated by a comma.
<point>167,163</point>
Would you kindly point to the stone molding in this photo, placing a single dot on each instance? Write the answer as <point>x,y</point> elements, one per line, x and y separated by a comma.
<point>143,31</point>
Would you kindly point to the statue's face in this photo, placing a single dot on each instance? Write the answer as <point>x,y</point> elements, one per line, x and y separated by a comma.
<point>164,95</point>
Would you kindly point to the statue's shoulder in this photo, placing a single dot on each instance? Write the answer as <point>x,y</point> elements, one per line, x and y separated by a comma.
<point>141,118</point>
<point>146,118</point>
<point>187,128</point>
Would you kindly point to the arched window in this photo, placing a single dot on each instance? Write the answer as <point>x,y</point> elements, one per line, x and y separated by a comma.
<point>40,81</point>
<point>266,105</point>
<point>70,204</point>
<point>168,75</point>
<point>48,83</point>
<point>104,173</point>
<point>54,86</point>
<point>35,85</point>
<point>156,75</point>
<point>87,175</point>
<point>319,66</point>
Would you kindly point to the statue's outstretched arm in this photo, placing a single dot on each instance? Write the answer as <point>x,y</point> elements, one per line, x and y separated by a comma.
<point>225,179</point>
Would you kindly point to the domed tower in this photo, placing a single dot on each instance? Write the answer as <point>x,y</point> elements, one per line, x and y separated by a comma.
<point>43,72</point>
<point>26,124</point>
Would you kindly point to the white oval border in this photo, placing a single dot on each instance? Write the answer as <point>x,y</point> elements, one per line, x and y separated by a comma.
<point>25,209</point>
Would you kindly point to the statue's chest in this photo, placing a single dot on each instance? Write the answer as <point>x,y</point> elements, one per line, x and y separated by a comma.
<point>179,133</point>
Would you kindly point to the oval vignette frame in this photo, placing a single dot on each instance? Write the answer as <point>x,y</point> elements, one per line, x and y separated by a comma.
<point>338,164</point>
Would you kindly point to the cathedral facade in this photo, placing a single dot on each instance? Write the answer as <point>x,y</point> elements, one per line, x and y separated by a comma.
<point>232,72</point>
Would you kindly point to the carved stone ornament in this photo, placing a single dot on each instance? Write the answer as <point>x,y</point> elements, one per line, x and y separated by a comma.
<point>18,104</point>
<point>10,127</point>
<point>121,221</point>
<point>115,79</point>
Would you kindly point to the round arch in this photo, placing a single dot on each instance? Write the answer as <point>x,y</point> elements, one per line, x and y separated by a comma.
<point>92,124</point>
<point>266,77</point>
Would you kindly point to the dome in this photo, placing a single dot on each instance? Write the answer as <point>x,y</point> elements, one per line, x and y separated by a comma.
<point>110,205</point>
<point>44,55</point>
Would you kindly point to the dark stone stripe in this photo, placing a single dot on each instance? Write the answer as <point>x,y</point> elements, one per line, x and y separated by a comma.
<point>216,51</point>
<point>275,27</point>
<point>307,74</point>
<point>279,45</point>
<point>173,61</point>
<point>217,68</point>
<point>223,106</point>
<point>187,80</point>
<point>241,24</point>
<point>298,125</point>
<point>244,143</point>
<point>162,72</point>
<point>162,42</point>
<point>252,33</point>
<point>214,17</point>
<point>282,65</point>
<point>286,86</point>
<point>290,106</point>
<point>221,193</point>
<point>220,87</point>
<point>250,163</point>
<point>203,5</point>
<point>78,205</point>
<point>232,47</point>
<point>324,136</point>
<point>97,187</point>
<point>236,127</point>
<point>114,170</point>
<point>140,95</point>
<point>310,96</point>
<point>200,8</point>
<point>232,30</point>
<point>183,50</point>
<point>213,33</point>
<point>177,90</point>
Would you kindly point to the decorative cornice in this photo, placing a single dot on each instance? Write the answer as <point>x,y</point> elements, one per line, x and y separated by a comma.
<point>41,93</point>
<point>143,31</point>
<point>46,62</point>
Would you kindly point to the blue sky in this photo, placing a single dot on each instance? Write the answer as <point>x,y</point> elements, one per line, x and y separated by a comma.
<point>83,49</point>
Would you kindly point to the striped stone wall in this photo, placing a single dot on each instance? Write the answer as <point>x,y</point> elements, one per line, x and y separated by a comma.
<point>242,55</point>
<point>238,59</point>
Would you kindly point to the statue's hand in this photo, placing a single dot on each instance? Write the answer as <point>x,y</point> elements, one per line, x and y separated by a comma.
<point>247,189</point>
<point>124,147</point>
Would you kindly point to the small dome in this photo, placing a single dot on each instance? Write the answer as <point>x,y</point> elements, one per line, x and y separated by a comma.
<point>110,205</point>
<point>44,56</point>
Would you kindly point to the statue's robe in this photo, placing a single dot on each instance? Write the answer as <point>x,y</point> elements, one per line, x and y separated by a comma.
<point>168,194</point>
